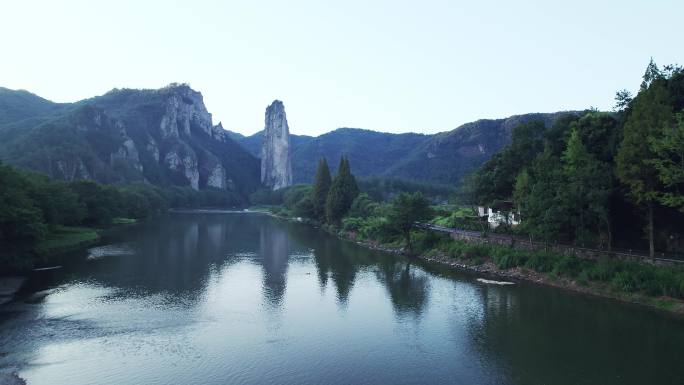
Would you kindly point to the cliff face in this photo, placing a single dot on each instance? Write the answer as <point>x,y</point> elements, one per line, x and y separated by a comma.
<point>163,137</point>
<point>276,168</point>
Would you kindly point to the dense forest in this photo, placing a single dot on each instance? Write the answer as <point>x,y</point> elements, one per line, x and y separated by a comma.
<point>599,179</point>
<point>37,212</point>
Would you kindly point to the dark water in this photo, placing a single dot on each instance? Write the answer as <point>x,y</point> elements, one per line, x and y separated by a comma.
<point>244,299</point>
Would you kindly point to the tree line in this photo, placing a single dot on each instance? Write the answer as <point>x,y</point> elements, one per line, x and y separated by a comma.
<point>598,178</point>
<point>32,206</point>
<point>338,204</point>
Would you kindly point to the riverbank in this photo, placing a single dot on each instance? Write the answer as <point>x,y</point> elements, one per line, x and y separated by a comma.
<point>483,264</point>
<point>59,241</point>
<point>62,239</point>
<point>592,277</point>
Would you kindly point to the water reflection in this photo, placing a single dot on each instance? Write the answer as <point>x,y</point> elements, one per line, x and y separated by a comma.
<point>408,288</point>
<point>274,248</point>
<point>211,299</point>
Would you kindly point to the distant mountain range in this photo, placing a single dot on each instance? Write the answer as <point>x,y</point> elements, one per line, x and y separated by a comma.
<point>442,158</point>
<point>167,137</point>
<point>163,137</point>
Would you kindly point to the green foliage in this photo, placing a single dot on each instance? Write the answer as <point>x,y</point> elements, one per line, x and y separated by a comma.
<point>62,238</point>
<point>20,216</point>
<point>635,159</point>
<point>407,209</point>
<point>372,228</point>
<point>461,218</point>
<point>320,191</point>
<point>541,206</point>
<point>424,241</point>
<point>363,206</point>
<point>506,258</point>
<point>588,185</point>
<point>38,216</point>
<point>669,162</point>
<point>496,178</point>
<point>343,191</point>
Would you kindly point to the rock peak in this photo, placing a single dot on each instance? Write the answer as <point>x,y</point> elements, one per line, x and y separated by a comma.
<point>276,167</point>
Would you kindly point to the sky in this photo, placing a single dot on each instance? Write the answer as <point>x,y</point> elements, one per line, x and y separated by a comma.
<point>395,66</point>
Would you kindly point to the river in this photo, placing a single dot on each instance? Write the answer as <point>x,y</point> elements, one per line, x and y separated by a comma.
<point>221,298</point>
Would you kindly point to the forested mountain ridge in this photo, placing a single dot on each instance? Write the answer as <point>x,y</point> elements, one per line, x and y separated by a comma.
<point>442,158</point>
<point>164,137</point>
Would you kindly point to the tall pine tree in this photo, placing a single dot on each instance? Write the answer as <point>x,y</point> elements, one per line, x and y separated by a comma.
<point>343,191</point>
<point>650,113</point>
<point>320,190</point>
<point>588,185</point>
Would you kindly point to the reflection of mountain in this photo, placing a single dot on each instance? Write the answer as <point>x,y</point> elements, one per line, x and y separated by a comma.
<point>274,248</point>
<point>408,288</point>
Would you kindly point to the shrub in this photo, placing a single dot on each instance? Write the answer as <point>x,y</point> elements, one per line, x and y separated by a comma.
<point>541,261</point>
<point>624,281</point>
<point>508,258</point>
<point>567,265</point>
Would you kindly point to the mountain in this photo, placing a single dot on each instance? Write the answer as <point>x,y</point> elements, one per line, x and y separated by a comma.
<point>442,158</point>
<point>163,137</point>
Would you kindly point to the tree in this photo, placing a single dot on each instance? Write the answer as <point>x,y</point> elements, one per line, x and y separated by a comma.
<point>669,161</point>
<point>343,191</point>
<point>522,189</point>
<point>651,74</point>
<point>363,206</point>
<point>321,188</point>
<point>636,159</point>
<point>407,209</point>
<point>495,180</point>
<point>20,218</point>
<point>543,208</point>
<point>588,185</point>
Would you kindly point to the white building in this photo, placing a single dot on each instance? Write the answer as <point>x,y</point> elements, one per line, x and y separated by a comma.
<point>496,218</point>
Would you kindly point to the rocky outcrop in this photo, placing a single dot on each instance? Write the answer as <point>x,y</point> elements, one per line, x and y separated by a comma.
<point>163,136</point>
<point>184,109</point>
<point>276,167</point>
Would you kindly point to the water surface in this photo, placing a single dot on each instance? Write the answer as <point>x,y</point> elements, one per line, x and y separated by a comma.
<point>245,299</point>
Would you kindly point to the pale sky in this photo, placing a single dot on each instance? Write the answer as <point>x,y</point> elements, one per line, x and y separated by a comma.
<point>396,66</point>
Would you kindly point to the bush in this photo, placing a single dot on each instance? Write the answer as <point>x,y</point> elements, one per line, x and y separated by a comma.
<point>624,281</point>
<point>508,258</point>
<point>567,265</point>
<point>541,261</point>
<point>424,241</point>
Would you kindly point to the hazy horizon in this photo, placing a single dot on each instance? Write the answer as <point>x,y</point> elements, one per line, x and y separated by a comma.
<point>386,66</point>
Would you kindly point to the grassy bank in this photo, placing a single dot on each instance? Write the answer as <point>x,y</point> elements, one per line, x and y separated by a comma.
<point>65,238</point>
<point>657,286</point>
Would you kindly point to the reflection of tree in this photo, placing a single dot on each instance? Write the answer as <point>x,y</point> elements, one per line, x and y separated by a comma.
<point>274,248</point>
<point>408,288</point>
<point>545,336</point>
<point>334,259</point>
<point>340,261</point>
